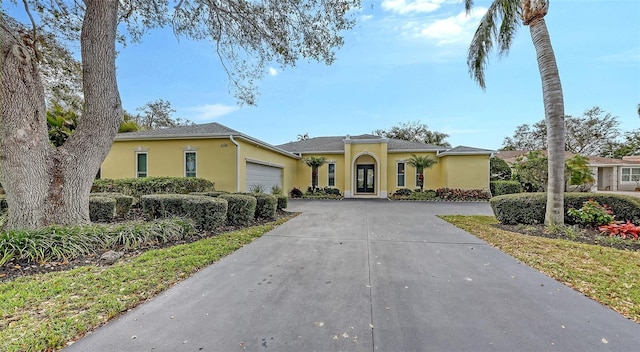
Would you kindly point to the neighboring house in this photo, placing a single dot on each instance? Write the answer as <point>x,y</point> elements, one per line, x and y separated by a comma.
<point>610,174</point>
<point>359,166</point>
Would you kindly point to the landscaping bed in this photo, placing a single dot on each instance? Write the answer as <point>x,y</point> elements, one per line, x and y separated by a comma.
<point>573,233</point>
<point>17,268</point>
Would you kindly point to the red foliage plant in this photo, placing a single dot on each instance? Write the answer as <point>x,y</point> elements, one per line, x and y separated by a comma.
<point>625,230</point>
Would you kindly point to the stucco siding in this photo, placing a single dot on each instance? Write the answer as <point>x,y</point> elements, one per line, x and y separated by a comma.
<point>466,171</point>
<point>250,152</point>
<point>432,175</point>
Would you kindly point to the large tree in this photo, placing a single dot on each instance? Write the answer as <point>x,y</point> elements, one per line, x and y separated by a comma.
<point>498,26</point>
<point>588,134</point>
<point>414,131</point>
<point>50,185</point>
<point>158,114</point>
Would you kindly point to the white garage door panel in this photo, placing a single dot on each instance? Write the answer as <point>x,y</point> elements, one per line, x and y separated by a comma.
<point>267,176</point>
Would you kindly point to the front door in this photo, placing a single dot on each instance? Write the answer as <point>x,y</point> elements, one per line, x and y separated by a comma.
<point>365,179</point>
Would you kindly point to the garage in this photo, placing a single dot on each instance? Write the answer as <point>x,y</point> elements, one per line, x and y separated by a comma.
<point>263,174</point>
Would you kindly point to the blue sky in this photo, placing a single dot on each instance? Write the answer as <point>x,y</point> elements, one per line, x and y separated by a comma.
<point>405,60</point>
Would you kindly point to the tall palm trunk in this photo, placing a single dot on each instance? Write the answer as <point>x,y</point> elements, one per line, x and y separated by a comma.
<point>533,12</point>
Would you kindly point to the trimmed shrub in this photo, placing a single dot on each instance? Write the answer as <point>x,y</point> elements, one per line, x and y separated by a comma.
<point>624,208</point>
<point>462,194</point>
<point>241,208</point>
<point>402,192</point>
<point>123,202</point>
<point>283,201</point>
<point>524,208</point>
<point>102,209</point>
<point>158,206</point>
<point>296,193</point>
<point>266,205</point>
<point>208,213</point>
<point>530,208</point>
<point>138,187</point>
<point>499,188</point>
<point>209,194</point>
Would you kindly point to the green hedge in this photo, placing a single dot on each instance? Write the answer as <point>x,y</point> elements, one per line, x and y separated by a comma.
<point>102,209</point>
<point>138,187</point>
<point>499,188</point>
<point>159,206</point>
<point>209,194</point>
<point>266,205</point>
<point>208,213</point>
<point>123,202</point>
<point>529,208</point>
<point>241,209</point>
<point>283,201</point>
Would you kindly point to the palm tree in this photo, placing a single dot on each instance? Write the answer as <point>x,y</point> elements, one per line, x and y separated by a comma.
<point>421,162</point>
<point>499,25</point>
<point>314,162</point>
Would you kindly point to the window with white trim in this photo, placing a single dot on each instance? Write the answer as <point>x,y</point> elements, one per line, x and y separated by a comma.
<point>400,179</point>
<point>332,175</point>
<point>630,174</point>
<point>190,163</point>
<point>141,164</point>
<point>417,178</point>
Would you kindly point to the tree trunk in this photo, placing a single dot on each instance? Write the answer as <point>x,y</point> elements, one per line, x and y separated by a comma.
<point>47,185</point>
<point>554,117</point>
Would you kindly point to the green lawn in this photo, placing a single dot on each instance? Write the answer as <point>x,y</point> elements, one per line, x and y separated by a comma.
<point>45,312</point>
<point>607,275</point>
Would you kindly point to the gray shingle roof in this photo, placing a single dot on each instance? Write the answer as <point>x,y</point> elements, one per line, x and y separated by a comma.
<point>207,129</point>
<point>335,144</point>
<point>466,150</point>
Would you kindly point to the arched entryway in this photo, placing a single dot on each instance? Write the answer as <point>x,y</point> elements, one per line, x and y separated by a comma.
<point>365,171</point>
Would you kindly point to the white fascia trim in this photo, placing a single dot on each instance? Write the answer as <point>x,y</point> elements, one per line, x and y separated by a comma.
<point>266,163</point>
<point>366,141</point>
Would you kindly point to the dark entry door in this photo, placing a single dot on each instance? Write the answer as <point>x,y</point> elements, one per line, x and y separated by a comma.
<point>365,179</point>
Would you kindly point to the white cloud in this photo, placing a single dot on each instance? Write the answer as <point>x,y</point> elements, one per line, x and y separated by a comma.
<point>366,17</point>
<point>416,6</point>
<point>208,112</point>
<point>273,71</point>
<point>452,29</point>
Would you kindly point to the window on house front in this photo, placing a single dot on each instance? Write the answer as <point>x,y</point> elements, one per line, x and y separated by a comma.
<point>400,182</point>
<point>630,174</point>
<point>417,178</point>
<point>190,164</point>
<point>332,175</point>
<point>141,164</point>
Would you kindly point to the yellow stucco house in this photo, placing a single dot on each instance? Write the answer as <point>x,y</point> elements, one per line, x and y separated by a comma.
<point>364,166</point>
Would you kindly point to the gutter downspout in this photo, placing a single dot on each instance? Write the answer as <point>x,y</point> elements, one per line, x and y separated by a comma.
<point>237,162</point>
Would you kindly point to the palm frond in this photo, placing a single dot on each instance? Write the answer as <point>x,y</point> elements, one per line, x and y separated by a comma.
<point>497,26</point>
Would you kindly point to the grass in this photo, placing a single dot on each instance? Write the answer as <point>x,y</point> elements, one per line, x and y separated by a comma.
<point>46,312</point>
<point>607,275</point>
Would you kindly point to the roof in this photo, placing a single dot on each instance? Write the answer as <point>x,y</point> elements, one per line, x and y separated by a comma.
<point>464,150</point>
<point>335,144</point>
<point>202,131</point>
<point>510,156</point>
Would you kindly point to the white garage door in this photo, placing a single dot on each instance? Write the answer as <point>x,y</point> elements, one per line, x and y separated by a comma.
<point>264,175</point>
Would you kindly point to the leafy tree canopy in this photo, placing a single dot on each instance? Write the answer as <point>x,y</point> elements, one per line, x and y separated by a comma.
<point>248,35</point>
<point>588,134</point>
<point>158,114</point>
<point>414,131</point>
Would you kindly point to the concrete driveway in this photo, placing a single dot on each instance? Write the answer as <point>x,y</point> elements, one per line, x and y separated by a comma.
<point>358,275</point>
